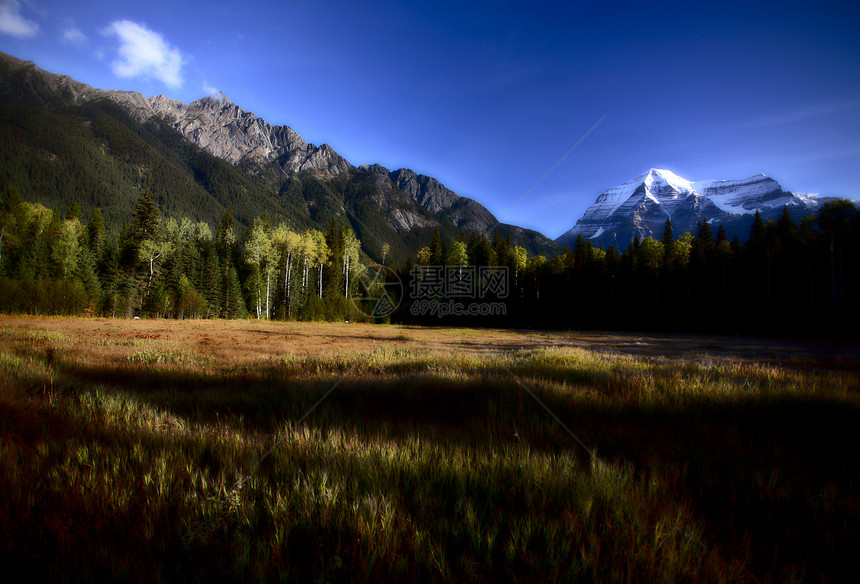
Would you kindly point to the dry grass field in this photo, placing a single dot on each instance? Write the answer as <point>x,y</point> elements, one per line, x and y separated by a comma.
<point>244,450</point>
<point>232,343</point>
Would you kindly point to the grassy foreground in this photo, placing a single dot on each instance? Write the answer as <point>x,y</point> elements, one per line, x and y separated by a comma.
<point>128,452</point>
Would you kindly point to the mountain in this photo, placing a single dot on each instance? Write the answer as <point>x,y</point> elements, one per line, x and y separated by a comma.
<point>642,205</point>
<point>63,141</point>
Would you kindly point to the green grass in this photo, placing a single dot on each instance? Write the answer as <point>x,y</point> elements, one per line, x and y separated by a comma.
<point>49,336</point>
<point>427,467</point>
<point>161,356</point>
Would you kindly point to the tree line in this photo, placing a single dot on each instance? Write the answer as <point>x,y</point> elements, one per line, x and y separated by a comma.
<point>788,277</point>
<point>171,268</point>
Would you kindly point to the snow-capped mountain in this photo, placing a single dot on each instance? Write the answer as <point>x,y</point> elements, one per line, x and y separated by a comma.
<point>642,205</point>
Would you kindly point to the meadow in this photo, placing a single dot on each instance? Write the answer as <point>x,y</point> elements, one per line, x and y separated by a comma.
<point>158,450</point>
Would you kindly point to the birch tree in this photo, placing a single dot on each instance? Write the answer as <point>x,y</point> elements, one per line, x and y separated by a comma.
<point>457,256</point>
<point>287,243</point>
<point>519,256</point>
<point>307,253</point>
<point>151,252</point>
<point>321,254</point>
<point>263,255</point>
<point>351,249</point>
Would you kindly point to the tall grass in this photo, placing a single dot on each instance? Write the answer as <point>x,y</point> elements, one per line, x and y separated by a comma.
<point>421,466</point>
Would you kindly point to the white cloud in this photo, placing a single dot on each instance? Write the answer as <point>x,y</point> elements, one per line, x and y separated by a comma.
<point>145,53</point>
<point>74,35</point>
<point>12,23</point>
<point>209,89</point>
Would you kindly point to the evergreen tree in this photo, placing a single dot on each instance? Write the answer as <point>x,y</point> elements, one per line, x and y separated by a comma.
<point>668,234</point>
<point>234,305</point>
<point>146,219</point>
<point>96,232</point>
<point>705,235</point>
<point>437,249</point>
<point>579,252</point>
<point>472,247</point>
<point>834,219</point>
<point>483,253</point>
<point>721,236</point>
<point>501,249</point>
<point>74,212</point>
<point>757,232</point>
<point>668,242</point>
<point>212,284</point>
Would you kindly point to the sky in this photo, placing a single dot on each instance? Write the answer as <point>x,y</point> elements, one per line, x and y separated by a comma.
<point>531,108</point>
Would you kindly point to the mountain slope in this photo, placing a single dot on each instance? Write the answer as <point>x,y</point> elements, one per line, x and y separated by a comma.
<point>642,205</point>
<point>202,158</point>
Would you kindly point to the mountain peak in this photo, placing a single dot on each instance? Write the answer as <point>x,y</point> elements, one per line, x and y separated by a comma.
<point>641,206</point>
<point>215,100</point>
<point>219,97</point>
<point>661,175</point>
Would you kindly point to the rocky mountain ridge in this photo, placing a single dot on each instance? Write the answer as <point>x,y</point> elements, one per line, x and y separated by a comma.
<point>218,126</point>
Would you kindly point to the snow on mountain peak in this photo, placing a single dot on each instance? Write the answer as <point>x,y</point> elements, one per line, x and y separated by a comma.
<point>667,176</point>
<point>643,204</point>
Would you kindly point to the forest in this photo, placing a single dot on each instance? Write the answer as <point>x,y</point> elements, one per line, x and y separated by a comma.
<point>788,278</point>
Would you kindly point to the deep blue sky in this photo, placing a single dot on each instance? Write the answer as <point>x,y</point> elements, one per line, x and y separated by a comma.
<point>533,108</point>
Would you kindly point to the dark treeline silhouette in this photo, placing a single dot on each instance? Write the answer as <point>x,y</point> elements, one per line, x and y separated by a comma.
<point>788,278</point>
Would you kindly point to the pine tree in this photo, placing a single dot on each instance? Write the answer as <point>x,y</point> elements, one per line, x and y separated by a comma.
<point>721,235</point>
<point>96,232</point>
<point>147,219</point>
<point>757,231</point>
<point>234,305</point>
<point>668,242</point>
<point>579,252</point>
<point>437,249</point>
<point>501,249</point>
<point>472,248</point>
<point>834,219</point>
<point>212,284</point>
<point>74,211</point>
<point>668,233</point>
<point>705,235</point>
<point>483,253</point>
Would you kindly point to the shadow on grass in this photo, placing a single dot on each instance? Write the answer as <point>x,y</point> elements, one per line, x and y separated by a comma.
<point>773,477</point>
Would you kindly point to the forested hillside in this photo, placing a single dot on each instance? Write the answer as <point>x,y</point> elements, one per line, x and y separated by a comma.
<point>62,142</point>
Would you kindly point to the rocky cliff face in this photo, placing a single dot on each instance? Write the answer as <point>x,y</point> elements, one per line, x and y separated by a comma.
<point>213,123</point>
<point>221,127</point>
<point>406,200</point>
<point>642,205</point>
<point>225,130</point>
<point>466,214</point>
